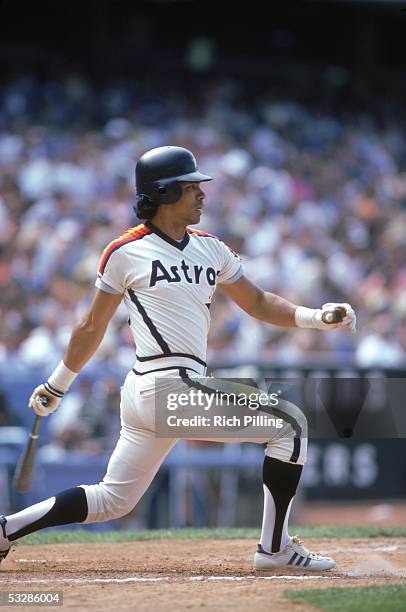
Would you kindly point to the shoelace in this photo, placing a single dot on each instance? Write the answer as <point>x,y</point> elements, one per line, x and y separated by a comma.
<point>300,542</point>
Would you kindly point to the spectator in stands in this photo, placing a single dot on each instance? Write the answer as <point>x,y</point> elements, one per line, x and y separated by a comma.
<point>7,419</point>
<point>294,183</point>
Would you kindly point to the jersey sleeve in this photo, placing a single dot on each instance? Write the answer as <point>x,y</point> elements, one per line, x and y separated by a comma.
<point>112,272</point>
<point>231,268</point>
<point>105,287</point>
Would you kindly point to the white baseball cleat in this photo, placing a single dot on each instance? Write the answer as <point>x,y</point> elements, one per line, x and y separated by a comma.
<point>5,544</point>
<point>295,556</point>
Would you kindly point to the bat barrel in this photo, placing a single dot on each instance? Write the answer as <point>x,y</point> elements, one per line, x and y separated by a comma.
<point>25,467</point>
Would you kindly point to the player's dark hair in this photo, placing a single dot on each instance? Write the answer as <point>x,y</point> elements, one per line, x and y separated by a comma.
<point>145,208</point>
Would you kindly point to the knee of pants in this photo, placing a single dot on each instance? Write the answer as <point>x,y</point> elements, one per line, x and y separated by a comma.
<point>291,445</point>
<point>105,504</point>
<point>291,450</point>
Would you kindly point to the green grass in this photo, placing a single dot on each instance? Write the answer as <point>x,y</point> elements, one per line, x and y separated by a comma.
<point>52,536</point>
<point>386,598</point>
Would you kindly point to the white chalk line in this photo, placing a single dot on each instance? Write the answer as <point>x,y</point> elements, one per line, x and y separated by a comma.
<point>160,579</point>
<point>326,551</point>
<point>30,561</point>
<point>353,549</point>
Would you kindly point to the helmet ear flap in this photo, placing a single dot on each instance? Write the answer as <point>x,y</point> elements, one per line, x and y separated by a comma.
<point>168,193</point>
<point>147,205</point>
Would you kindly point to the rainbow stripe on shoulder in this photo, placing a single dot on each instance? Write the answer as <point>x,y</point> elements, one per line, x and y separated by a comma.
<point>190,230</point>
<point>131,234</point>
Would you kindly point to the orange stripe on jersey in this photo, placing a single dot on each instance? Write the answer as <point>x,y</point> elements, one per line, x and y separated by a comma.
<point>200,232</point>
<point>133,233</point>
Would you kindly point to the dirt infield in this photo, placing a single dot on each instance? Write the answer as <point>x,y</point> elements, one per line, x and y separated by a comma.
<point>191,574</point>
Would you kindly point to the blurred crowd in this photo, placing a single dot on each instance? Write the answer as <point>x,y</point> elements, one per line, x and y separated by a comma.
<point>314,202</point>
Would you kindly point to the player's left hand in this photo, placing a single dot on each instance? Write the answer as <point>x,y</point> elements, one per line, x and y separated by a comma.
<point>349,320</point>
<point>43,401</point>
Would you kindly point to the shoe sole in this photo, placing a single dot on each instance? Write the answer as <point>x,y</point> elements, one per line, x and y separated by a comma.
<point>288,569</point>
<point>265,566</point>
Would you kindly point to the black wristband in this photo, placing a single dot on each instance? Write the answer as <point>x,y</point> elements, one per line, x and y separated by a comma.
<point>53,391</point>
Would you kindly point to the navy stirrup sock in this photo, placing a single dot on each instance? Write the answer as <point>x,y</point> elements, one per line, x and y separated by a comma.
<point>70,506</point>
<point>281,479</point>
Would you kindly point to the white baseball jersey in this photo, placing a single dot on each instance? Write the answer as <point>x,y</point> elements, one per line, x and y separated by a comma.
<point>167,286</point>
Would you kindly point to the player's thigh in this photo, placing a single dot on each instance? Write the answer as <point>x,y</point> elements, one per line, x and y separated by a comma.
<point>139,451</point>
<point>144,397</point>
<point>137,455</point>
<point>266,424</point>
<point>285,438</point>
<point>235,397</point>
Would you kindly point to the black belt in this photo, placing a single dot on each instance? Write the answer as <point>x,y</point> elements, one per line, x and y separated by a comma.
<point>182,370</point>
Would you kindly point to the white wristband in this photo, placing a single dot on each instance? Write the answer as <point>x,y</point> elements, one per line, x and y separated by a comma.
<point>62,377</point>
<point>306,317</point>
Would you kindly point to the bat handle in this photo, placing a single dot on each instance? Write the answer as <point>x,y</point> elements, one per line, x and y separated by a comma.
<point>35,428</point>
<point>334,316</point>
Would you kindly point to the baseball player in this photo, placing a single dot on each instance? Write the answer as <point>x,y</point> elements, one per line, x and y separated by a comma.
<point>166,272</point>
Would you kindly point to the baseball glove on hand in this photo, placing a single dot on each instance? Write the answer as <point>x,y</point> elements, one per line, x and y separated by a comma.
<point>44,400</point>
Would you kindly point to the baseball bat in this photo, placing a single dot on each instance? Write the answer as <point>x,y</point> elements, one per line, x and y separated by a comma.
<point>334,316</point>
<point>25,467</point>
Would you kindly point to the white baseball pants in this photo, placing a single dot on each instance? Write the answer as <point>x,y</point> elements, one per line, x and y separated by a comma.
<point>139,452</point>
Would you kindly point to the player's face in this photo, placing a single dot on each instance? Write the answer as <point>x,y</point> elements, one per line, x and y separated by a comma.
<point>189,206</point>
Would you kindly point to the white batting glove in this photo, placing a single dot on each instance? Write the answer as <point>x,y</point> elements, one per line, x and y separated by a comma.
<point>47,397</point>
<point>318,318</point>
<point>349,321</point>
<point>45,400</point>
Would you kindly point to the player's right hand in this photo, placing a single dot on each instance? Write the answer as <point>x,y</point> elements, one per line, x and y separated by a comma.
<point>43,401</point>
<point>348,320</point>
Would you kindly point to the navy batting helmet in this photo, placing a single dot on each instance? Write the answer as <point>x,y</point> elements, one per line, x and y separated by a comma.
<point>159,171</point>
